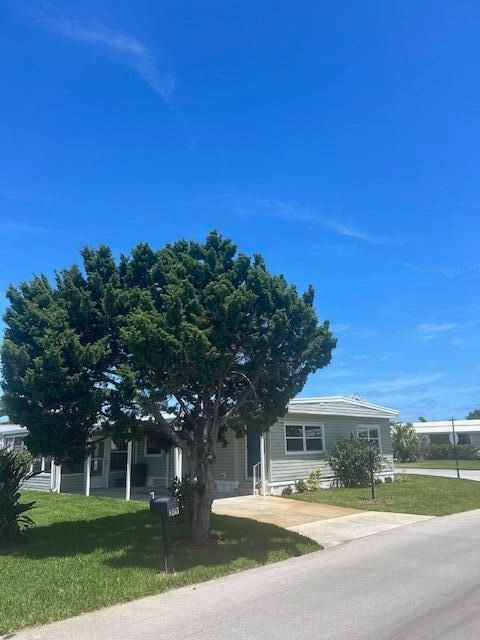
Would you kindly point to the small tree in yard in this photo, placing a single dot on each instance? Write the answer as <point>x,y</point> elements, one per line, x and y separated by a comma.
<point>350,462</point>
<point>191,341</point>
<point>474,415</point>
<point>405,442</point>
<point>13,518</point>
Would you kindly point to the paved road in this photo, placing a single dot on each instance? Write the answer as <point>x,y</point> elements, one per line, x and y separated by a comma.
<point>445,473</point>
<point>418,582</point>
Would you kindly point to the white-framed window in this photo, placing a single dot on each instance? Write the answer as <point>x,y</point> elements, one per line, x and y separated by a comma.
<point>153,444</point>
<point>303,437</point>
<point>370,433</point>
<point>12,443</point>
<point>118,455</point>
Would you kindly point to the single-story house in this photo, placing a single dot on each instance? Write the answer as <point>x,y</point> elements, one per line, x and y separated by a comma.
<point>294,446</point>
<point>438,431</point>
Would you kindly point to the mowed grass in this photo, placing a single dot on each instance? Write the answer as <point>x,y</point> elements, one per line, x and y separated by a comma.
<point>86,553</point>
<point>423,495</point>
<point>467,465</point>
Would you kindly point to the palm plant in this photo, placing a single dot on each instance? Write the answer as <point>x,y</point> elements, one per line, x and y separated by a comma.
<point>13,518</point>
<point>405,441</point>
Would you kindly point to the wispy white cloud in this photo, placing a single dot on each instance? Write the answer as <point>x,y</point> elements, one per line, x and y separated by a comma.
<point>402,382</point>
<point>340,328</point>
<point>446,272</point>
<point>430,330</point>
<point>280,210</point>
<point>118,45</point>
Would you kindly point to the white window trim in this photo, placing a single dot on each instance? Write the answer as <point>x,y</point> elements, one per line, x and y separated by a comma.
<point>302,423</point>
<point>362,427</point>
<point>150,455</point>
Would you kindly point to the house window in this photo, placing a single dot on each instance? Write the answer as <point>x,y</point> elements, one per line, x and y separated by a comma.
<point>303,438</point>
<point>14,444</point>
<point>369,434</point>
<point>118,456</point>
<point>154,444</point>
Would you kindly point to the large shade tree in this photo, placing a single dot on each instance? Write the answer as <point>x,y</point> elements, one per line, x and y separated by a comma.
<point>192,340</point>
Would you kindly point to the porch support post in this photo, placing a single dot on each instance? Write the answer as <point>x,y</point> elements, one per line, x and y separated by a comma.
<point>262,464</point>
<point>42,464</point>
<point>177,463</point>
<point>128,479</point>
<point>52,475</point>
<point>180,463</point>
<point>58,479</point>
<point>88,466</point>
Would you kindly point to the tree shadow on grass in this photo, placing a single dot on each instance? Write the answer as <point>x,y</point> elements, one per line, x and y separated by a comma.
<point>134,540</point>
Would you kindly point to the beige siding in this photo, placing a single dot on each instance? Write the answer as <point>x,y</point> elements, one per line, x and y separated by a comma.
<point>289,467</point>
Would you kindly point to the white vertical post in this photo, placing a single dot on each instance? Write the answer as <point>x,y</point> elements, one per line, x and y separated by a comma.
<point>58,479</point>
<point>52,476</point>
<point>177,463</point>
<point>262,464</point>
<point>88,466</point>
<point>180,463</point>
<point>128,479</point>
<point>42,464</point>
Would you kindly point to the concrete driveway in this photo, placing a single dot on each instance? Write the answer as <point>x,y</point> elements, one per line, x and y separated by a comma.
<point>444,473</point>
<point>326,524</point>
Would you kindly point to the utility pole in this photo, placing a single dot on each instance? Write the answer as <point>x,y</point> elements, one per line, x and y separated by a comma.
<point>454,438</point>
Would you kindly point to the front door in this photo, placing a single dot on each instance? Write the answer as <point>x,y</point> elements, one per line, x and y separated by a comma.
<point>253,451</point>
<point>98,467</point>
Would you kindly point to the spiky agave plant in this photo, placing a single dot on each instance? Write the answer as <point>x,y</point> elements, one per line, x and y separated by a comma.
<point>13,518</point>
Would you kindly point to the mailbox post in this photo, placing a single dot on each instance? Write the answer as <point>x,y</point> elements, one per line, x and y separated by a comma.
<point>166,508</point>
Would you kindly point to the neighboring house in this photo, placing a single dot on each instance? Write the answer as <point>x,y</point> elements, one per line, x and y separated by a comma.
<point>289,451</point>
<point>438,431</point>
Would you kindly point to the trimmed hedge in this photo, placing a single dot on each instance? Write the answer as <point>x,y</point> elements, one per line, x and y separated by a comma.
<point>447,452</point>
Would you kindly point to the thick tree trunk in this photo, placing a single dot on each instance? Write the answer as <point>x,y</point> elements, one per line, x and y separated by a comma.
<point>203,498</point>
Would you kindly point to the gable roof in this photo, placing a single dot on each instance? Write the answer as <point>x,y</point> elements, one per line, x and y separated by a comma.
<point>340,406</point>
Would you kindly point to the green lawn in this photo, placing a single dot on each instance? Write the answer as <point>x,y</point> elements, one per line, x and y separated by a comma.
<point>467,465</point>
<point>87,553</point>
<point>425,495</point>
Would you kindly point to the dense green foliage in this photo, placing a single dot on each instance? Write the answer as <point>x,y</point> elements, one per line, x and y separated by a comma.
<point>474,415</point>
<point>405,441</point>
<point>88,553</point>
<point>196,331</point>
<point>349,461</point>
<point>13,514</point>
<point>447,452</point>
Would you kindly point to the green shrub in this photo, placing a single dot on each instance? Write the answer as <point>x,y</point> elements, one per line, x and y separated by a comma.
<point>405,441</point>
<point>13,473</point>
<point>300,486</point>
<point>350,462</point>
<point>314,479</point>
<point>287,491</point>
<point>447,452</point>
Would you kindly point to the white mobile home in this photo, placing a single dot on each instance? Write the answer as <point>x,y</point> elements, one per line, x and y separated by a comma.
<point>294,446</point>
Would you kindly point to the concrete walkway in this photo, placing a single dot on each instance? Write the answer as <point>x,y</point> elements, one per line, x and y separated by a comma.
<point>326,524</point>
<point>444,473</point>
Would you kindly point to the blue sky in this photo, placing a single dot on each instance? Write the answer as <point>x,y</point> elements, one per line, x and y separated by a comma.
<point>340,140</point>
